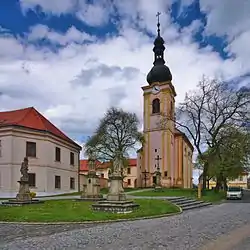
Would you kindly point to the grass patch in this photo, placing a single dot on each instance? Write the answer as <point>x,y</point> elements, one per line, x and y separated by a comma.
<point>102,191</point>
<point>209,196</point>
<point>72,211</point>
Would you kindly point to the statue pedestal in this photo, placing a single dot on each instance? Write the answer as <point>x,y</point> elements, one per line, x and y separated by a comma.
<point>158,186</point>
<point>116,199</point>
<point>116,191</point>
<point>91,190</point>
<point>24,191</point>
<point>23,197</point>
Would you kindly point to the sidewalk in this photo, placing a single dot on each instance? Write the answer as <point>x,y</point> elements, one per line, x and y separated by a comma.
<point>72,197</point>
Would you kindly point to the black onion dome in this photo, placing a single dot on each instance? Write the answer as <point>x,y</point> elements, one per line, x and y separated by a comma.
<point>160,72</point>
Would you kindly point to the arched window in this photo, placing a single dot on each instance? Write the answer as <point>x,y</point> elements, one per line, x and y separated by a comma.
<point>156,106</point>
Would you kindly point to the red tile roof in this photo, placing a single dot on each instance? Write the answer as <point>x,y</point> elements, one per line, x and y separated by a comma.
<point>104,165</point>
<point>132,162</point>
<point>32,119</point>
<point>84,165</point>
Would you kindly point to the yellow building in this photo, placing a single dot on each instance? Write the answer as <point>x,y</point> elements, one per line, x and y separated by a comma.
<point>166,148</point>
<point>241,181</point>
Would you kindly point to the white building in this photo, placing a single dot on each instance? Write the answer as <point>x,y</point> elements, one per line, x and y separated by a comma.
<point>53,157</point>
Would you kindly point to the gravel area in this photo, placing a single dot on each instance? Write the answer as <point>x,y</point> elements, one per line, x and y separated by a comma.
<point>190,230</point>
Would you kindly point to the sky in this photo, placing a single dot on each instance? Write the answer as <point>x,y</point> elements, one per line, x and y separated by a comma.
<point>73,59</point>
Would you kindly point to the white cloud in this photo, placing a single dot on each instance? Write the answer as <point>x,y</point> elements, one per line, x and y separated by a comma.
<point>94,14</point>
<point>75,86</point>
<point>40,31</point>
<point>226,17</point>
<point>55,7</point>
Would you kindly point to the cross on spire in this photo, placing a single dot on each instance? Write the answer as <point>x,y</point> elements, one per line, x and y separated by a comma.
<point>158,23</point>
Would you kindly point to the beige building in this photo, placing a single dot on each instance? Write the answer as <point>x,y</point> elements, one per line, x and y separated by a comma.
<point>53,157</point>
<point>166,149</point>
<point>102,170</point>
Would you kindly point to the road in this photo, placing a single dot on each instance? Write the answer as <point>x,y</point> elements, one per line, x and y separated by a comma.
<point>225,227</point>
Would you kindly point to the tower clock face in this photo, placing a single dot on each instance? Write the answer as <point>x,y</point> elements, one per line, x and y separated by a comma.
<point>156,89</point>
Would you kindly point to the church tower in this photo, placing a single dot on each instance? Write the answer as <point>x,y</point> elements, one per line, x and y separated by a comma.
<point>159,104</point>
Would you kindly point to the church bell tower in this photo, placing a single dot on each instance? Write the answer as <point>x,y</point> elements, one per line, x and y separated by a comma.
<point>159,105</point>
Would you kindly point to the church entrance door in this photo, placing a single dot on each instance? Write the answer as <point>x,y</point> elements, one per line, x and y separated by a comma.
<point>154,179</point>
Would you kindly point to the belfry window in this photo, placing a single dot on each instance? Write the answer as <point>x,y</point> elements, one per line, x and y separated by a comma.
<point>156,106</point>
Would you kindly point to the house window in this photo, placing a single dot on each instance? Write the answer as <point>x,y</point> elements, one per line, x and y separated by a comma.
<point>102,175</point>
<point>155,150</point>
<point>129,182</point>
<point>72,158</point>
<point>58,154</point>
<point>72,183</point>
<point>57,181</point>
<point>30,149</point>
<point>32,179</point>
<point>128,170</point>
<point>156,106</point>
<point>165,173</point>
<point>241,178</point>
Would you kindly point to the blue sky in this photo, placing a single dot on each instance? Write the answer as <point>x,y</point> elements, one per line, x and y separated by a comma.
<point>72,59</point>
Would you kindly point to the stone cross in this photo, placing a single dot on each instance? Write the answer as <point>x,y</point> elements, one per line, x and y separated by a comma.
<point>158,16</point>
<point>158,162</point>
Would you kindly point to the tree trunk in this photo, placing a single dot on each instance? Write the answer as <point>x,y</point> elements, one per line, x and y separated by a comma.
<point>204,176</point>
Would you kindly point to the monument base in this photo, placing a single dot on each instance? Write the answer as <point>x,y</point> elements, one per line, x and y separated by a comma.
<point>21,203</point>
<point>91,198</point>
<point>158,189</point>
<point>23,197</point>
<point>116,191</point>
<point>115,206</point>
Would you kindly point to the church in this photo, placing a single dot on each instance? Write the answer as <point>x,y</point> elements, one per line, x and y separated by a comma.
<point>166,149</point>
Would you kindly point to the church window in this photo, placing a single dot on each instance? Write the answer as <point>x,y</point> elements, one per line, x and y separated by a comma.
<point>156,106</point>
<point>57,181</point>
<point>32,179</point>
<point>30,149</point>
<point>128,171</point>
<point>72,183</point>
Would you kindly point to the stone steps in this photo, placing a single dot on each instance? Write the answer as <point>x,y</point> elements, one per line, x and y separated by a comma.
<point>188,203</point>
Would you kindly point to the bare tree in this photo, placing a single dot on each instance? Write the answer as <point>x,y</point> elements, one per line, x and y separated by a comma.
<point>117,131</point>
<point>209,109</point>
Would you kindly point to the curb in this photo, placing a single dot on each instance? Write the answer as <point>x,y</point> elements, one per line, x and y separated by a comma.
<point>94,222</point>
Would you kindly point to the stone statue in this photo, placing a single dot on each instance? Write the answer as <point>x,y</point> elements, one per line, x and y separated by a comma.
<point>118,164</point>
<point>24,170</point>
<point>91,164</point>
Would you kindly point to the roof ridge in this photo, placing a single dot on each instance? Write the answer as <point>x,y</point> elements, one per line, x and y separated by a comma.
<point>43,118</point>
<point>29,109</point>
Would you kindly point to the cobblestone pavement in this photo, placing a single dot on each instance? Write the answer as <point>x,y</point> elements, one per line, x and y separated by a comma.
<point>191,230</point>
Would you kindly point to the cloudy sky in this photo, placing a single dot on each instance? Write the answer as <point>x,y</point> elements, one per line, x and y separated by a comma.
<point>72,59</point>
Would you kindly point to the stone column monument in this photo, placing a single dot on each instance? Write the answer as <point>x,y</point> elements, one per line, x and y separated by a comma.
<point>158,185</point>
<point>116,191</point>
<point>24,191</point>
<point>91,190</point>
<point>116,199</point>
<point>23,197</point>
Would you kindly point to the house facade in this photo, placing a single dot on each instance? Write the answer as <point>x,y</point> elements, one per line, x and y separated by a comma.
<point>53,157</point>
<point>102,170</point>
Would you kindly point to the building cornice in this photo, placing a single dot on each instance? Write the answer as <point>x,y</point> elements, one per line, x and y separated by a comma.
<point>42,133</point>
